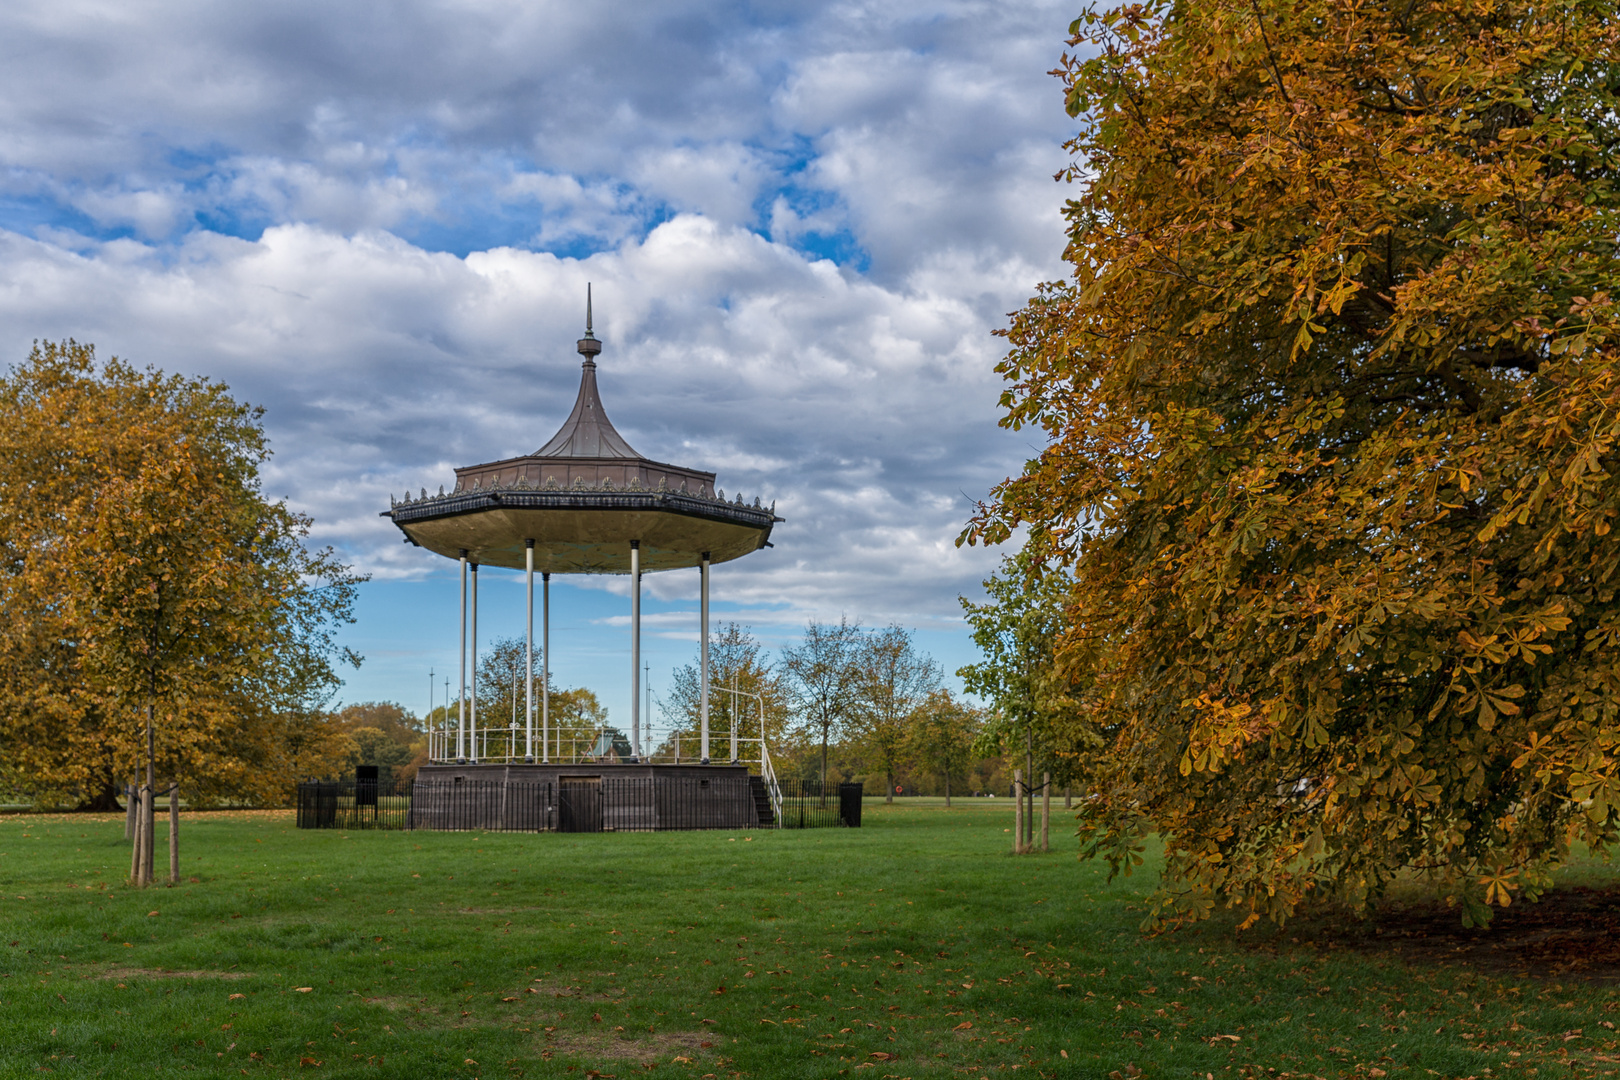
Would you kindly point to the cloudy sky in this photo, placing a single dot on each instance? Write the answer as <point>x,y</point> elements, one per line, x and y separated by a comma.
<point>802,222</point>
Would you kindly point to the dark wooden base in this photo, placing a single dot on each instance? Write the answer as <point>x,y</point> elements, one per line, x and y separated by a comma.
<point>605,797</point>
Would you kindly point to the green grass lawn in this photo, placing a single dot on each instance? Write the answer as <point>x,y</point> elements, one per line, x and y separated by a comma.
<point>912,947</point>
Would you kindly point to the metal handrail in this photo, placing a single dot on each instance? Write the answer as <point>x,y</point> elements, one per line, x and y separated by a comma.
<point>772,788</point>
<point>766,772</point>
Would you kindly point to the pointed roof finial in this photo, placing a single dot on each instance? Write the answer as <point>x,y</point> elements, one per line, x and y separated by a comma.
<point>588,346</point>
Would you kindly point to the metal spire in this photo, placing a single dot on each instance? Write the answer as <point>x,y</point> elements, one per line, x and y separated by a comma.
<point>587,432</point>
<point>588,346</point>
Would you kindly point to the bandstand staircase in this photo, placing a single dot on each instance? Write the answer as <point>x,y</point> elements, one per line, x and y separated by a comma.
<point>762,801</point>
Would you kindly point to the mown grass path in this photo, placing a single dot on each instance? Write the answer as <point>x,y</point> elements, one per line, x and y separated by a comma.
<point>913,947</point>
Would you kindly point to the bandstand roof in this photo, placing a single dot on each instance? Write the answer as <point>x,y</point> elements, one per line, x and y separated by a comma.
<point>581,498</point>
<point>587,433</point>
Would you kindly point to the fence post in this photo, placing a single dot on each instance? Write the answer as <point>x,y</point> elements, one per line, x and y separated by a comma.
<point>1018,811</point>
<point>1046,806</point>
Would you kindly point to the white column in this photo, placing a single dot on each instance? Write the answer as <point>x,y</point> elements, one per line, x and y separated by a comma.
<point>703,654</point>
<point>545,669</point>
<point>528,658</point>
<point>472,726</point>
<point>461,693</point>
<point>635,650</point>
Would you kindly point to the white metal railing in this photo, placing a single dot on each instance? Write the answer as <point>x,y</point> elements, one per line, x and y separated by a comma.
<point>505,746</point>
<point>766,772</point>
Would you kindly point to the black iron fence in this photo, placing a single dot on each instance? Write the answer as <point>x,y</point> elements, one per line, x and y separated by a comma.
<point>574,804</point>
<point>807,805</point>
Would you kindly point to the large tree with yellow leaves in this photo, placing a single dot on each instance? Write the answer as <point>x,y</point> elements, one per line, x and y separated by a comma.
<point>1333,402</point>
<point>145,578</point>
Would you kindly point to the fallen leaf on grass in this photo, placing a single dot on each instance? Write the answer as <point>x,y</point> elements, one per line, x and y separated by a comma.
<point>310,1062</point>
<point>513,998</point>
<point>235,997</point>
<point>149,914</point>
<point>1213,1039</point>
<point>468,1061</point>
<point>681,1060</point>
<point>963,1026</point>
<point>881,1056</point>
<point>303,989</point>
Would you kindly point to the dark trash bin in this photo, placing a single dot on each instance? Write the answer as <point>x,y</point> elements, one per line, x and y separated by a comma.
<point>849,805</point>
<point>365,785</point>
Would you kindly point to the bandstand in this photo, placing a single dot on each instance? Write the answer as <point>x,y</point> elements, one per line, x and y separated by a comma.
<point>585,503</point>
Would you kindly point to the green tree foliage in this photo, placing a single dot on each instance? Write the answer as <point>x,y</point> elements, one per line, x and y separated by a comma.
<point>824,682</point>
<point>736,659</point>
<point>576,715</point>
<point>892,680</point>
<point>144,577</point>
<point>1333,400</point>
<point>502,671</point>
<point>943,732</point>
<point>381,733</point>
<point>1032,698</point>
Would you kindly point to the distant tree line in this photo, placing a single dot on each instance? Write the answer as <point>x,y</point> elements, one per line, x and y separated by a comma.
<point>841,703</point>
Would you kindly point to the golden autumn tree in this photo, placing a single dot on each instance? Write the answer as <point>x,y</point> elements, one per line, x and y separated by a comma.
<point>146,580</point>
<point>1333,401</point>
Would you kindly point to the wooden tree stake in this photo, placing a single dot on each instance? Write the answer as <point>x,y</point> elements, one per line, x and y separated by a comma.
<point>136,833</point>
<point>174,832</point>
<point>1046,807</point>
<point>1018,811</point>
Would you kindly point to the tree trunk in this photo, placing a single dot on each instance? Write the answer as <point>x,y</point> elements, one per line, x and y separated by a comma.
<point>888,794</point>
<point>174,832</point>
<point>1068,804</point>
<point>104,800</point>
<point>947,789</point>
<point>129,811</point>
